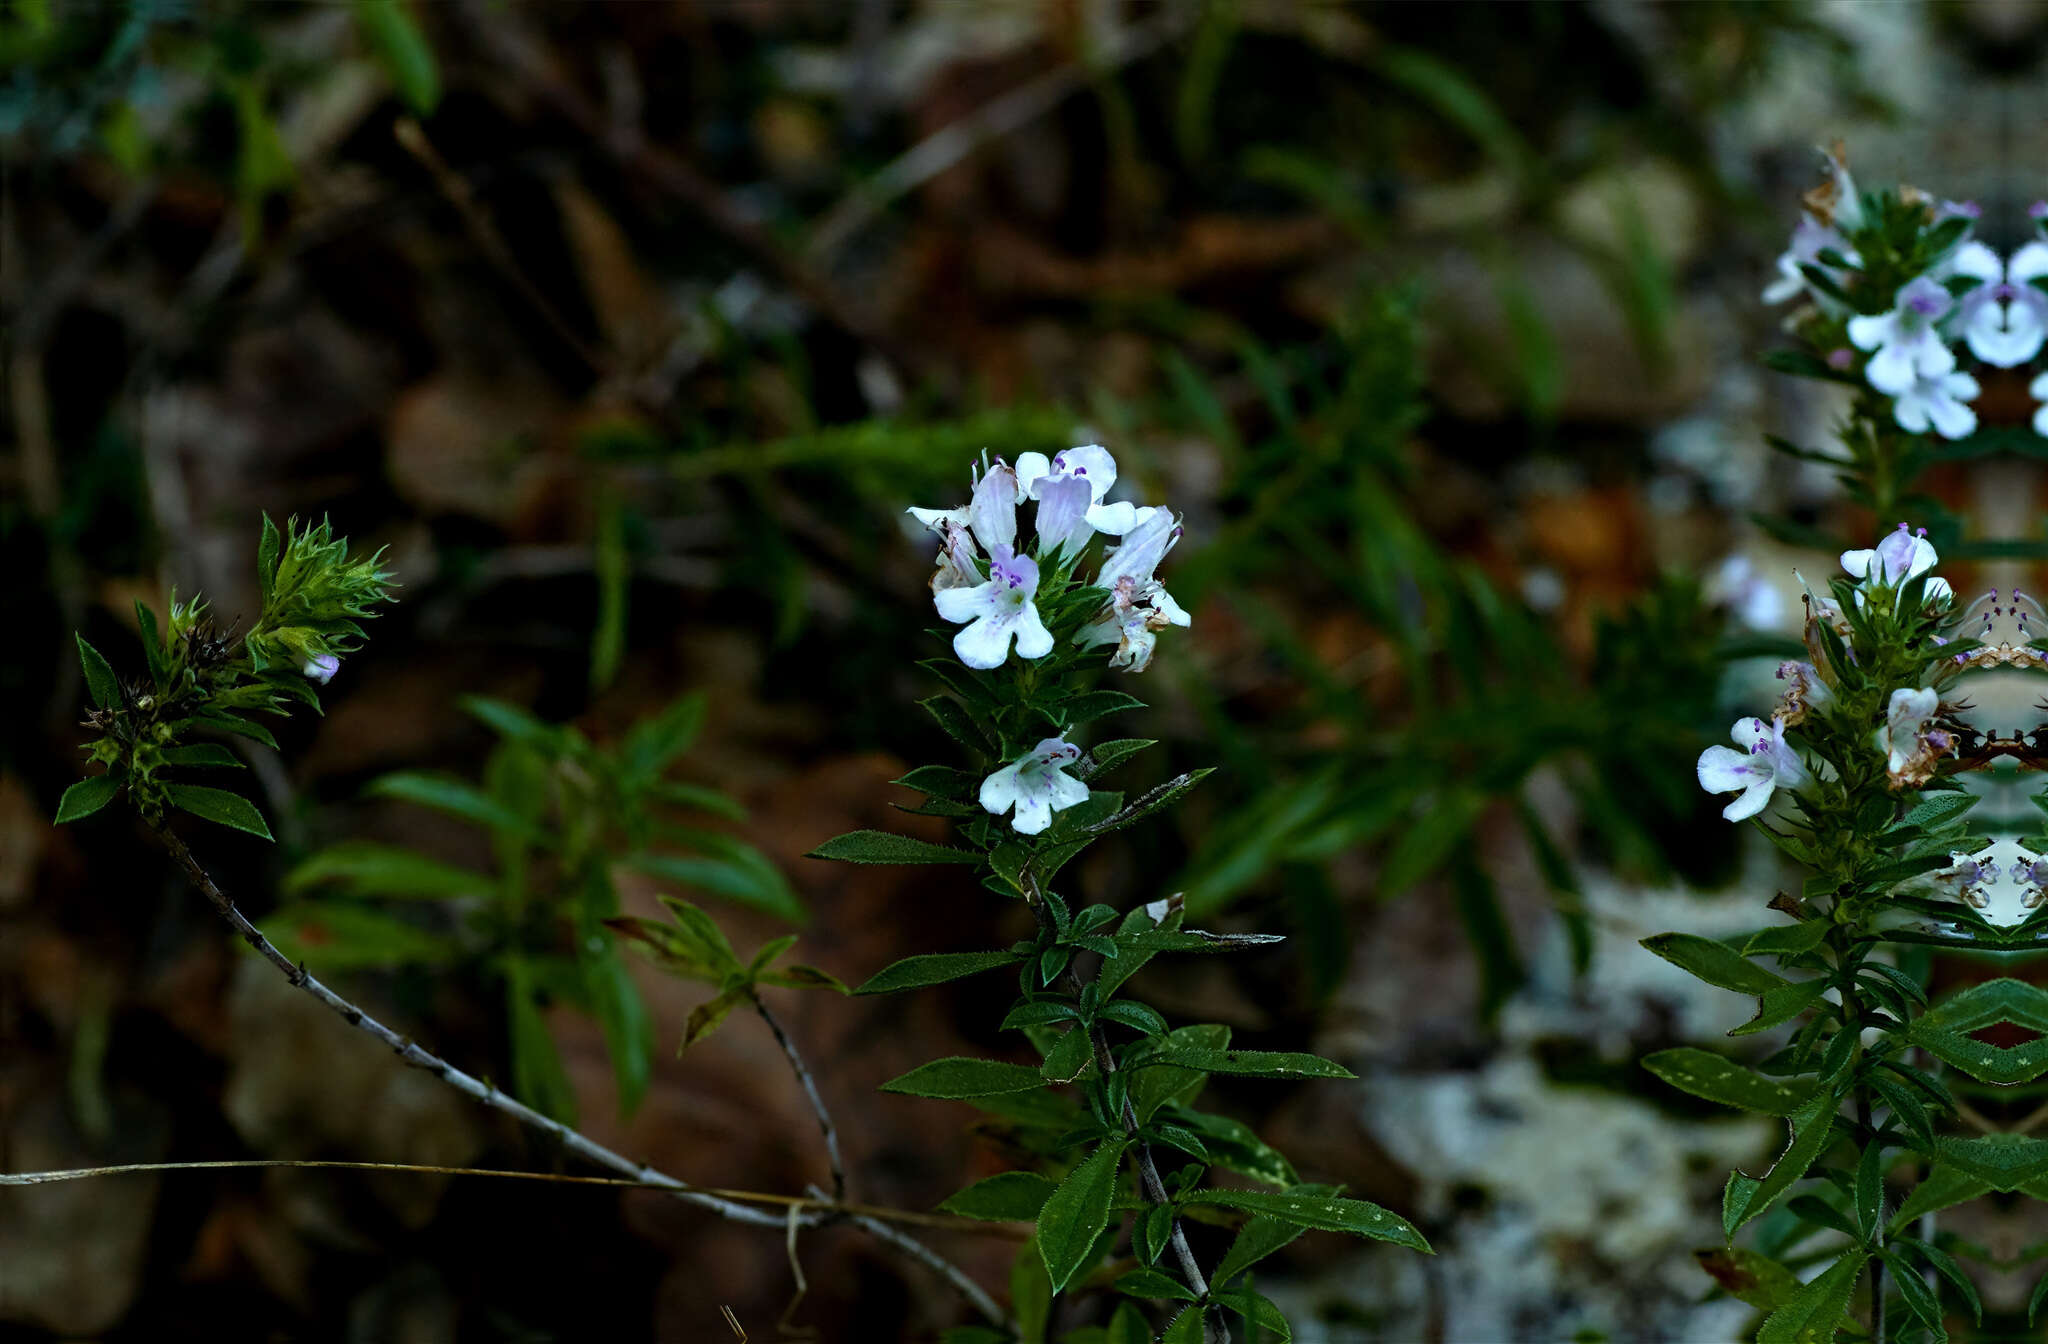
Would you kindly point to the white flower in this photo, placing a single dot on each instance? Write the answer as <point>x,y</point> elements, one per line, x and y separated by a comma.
<point>1070,489</point>
<point>1139,605</point>
<point>2038,390</point>
<point>999,608</point>
<point>1938,402</point>
<point>1767,762</point>
<point>1908,738</point>
<point>991,513</point>
<point>321,667</point>
<point>1752,599</point>
<point>1908,345</point>
<point>2005,317</point>
<point>1900,557</point>
<point>1036,784</point>
<point>1810,238</point>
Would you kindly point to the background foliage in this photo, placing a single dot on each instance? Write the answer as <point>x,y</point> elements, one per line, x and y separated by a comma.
<point>630,329</point>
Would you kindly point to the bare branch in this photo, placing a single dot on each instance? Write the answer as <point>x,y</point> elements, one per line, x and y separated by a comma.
<point>810,1086</point>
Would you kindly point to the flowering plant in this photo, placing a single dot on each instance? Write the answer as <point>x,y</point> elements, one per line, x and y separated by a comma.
<point>1861,776</point>
<point>1117,1087</point>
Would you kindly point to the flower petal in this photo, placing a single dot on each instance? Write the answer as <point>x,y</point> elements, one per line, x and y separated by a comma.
<point>984,644</point>
<point>1724,769</point>
<point>1752,801</point>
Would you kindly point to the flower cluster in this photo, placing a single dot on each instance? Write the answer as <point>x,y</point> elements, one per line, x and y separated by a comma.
<point>1035,597</point>
<point>1896,280</point>
<point>1895,600</point>
<point>998,600</point>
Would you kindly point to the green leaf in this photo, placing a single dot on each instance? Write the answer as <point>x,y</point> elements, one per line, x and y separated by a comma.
<point>342,936</point>
<point>1749,1276</point>
<point>1070,1059</point>
<point>706,1016</point>
<point>1187,1328</point>
<point>742,875</point>
<point>1139,1017</point>
<point>152,646</point>
<point>1103,755</point>
<point>240,727</point>
<point>620,1011</point>
<point>403,51</point>
<point>1945,1187</point>
<point>1932,812</point>
<point>1816,1310</point>
<point>1154,1087</point>
<point>884,847</point>
<point>957,1076</point>
<point>1092,705</point>
<point>1946,1031</point>
<point>941,781</point>
<point>1009,1197</point>
<point>513,723</point>
<point>1247,1063</point>
<point>1030,1293</point>
<point>1075,1214</point>
<point>444,793</point>
<point>1867,1196</point>
<point>1322,1212</point>
<point>268,550</point>
<point>2006,1162</point>
<point>959,725</point>
<point>1154,1285</point>
<point>934,968</point>
<point>1918,1297</point>
<point>1163,796</point>
<point>1735,1200</point>
<point>1127,1326</point>
<point>537,1073</point>
<point>219,806</point>
<point>1708,1075</point>
<point>702,934</point>
<point>368,869</point>
<point>1716,963</point>
<point>1787,940</point>
<point>1259,1312</point>
<point>1945,1265</point>
<point>1234,1145</point>
<point>1812,1127</point>
<point>201,755</point>
<point>99,677</point>
<point>1256,1240</point>
<point>86,797</point>
<point>1783,1004</point>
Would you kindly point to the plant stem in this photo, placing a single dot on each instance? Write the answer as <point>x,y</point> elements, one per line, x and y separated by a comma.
<point>581,1145</point>
<point>1148,1169</point>
<point>810,1086</point>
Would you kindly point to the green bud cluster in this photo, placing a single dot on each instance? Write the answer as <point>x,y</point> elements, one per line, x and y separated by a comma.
<point>199,682</point>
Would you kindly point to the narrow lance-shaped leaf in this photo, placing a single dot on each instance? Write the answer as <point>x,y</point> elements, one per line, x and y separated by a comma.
<point>1076,1213</point>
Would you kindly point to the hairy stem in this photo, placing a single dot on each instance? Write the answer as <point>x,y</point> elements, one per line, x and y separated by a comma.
<point>571,1141</point>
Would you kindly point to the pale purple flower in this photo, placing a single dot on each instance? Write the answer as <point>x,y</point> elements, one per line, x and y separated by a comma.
<point>991,512</point>
<point>1908,344</point>
<point>2004,317</point>
<point>1139,605</point>
<point>997,610</point>
<point>1766,763</point>
<point>1746,593</point>
<point>1036,785</point>
<point>1903,555</point>
<point>321,667</point>
<point>2038,390</point>
<point>1070,489</point>
<point>1810,238</point>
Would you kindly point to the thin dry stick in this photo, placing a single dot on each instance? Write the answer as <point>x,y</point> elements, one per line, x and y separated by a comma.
<point>817,1200</point>
<point>588,1149</point>
<point>924,1254</point>
<point>810,1086</point>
